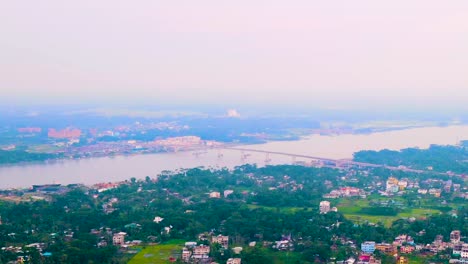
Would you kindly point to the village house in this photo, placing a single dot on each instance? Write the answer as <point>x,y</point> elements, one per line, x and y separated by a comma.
<point>233,261</point>
<point>222,240</point>
<point>119,239</point>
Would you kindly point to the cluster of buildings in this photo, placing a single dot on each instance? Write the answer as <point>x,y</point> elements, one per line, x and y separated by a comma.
<point>217,195</point>
<point>67,133</point>
<point>194,253</point>
<point>346,192</point>
<point>393,185</point>
<point>184,142</point>
<point>404,244</point>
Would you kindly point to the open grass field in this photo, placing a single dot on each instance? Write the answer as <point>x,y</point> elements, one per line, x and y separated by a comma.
<point>287,257</point>
<point>351,209</point>
<point>158,254</point>
<point>43,149</point>
<point>289,210</point>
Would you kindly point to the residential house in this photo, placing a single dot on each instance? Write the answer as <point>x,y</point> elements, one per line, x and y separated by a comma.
<point>222,240</point>
<point>368,247</point>
<point>234,261</point>
<point>119,239</point>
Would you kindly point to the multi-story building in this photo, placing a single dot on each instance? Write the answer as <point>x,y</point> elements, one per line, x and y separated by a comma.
<point>455,236</point>
<point>222,240</point>
<point>457,249</point>
<point>407,249</point>
<point>119,239</point>
<point>386,248</point>
<point>324,207</point>
<point>186,254</point>
<point>392,185</point>
<point>201,250</point>
<point>368,247</point>
<point>464,251</point>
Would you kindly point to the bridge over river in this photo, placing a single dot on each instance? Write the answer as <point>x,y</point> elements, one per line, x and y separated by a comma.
<point>338,163</point>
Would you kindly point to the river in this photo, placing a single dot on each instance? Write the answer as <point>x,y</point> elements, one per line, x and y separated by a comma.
<point>111,169</point>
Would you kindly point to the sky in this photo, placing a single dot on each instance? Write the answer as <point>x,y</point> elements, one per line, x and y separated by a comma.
<point>328,54</point>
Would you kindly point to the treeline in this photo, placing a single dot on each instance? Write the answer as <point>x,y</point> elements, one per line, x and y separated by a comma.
<point>19,156</point>
<point>440,158</point>
<point>249,214</point>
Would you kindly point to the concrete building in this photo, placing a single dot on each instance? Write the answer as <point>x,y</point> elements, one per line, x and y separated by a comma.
<point>222,240</point>
<point>324,207</point>
<point>233,261</point>
<point>119,239</point>
<point>186,255</point>
<point>227,193</point>
<point>455,236</point>
<point>368,247</point>
<point>386,248</point>
<point>201,250</point>
<point>464,251</point>
<point>457,249</point>
<point>392,185</point>
<point>215,195</point>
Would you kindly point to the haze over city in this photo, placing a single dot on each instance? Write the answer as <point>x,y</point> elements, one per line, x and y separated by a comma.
<point>354,54</point>
<point>234,132</point>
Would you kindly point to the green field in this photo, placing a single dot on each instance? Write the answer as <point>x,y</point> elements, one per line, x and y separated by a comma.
<point>158,254</point>
<point>351,209</point>
<point>285,209</point>
<point>282,257</point>
<point>46,148</point>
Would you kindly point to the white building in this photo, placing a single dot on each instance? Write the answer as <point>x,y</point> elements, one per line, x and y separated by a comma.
<point>455,236</point>
<point>201,250</point>
<point>324,207</point>
<point>158,219</point>
<point>215,195</point>
<point>227,193</point>
<point>119,239</point>
<point>464,251</point>
<point>234,261</point>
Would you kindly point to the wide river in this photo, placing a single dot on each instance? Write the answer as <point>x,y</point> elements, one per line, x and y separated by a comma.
<point>109,169</point>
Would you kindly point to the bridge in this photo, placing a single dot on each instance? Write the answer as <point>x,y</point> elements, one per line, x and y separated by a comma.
<point>332,162</point>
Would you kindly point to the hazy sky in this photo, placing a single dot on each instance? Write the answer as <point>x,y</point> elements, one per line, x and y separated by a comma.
<point>326,53</point>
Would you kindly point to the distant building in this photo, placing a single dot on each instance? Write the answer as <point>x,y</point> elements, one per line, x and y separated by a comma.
<point>158,219</point>
<point>407,249</point>
<point>402,260</point>
<point>455,236</point>
<point>227,193</point>
<point>222,240</point>
<point>368,247</point>
<point>119,239</point>
<point>215,195</point>
<point>402,184</point>
<point>234,261</point>
<point>457,249</point>
<point>324,207</point>
<point>392,185</point>
<point>386,248</point>
<point>190,244</point>
<point>464,251</point>
<point>65,133</point>
<point>186,254</point>
<point>29,130</point>
<point>201,250</point>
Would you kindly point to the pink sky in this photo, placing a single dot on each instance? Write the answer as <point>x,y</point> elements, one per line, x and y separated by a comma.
<point>326,53</point>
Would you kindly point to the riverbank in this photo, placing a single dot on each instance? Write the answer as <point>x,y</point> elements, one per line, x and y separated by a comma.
<point>119,168</point>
